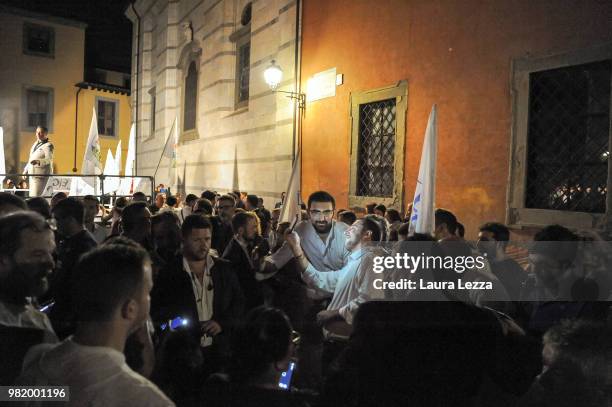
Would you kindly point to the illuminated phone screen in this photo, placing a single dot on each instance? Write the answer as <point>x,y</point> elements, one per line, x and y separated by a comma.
<point>285,379</point>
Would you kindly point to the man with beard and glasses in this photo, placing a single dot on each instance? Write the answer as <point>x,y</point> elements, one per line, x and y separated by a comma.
<point>222,223</point>
<point>321,237</point>
<point>26,260</point>
<point>322,240</point>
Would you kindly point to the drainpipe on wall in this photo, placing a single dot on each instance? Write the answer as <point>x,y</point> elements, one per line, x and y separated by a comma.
<point>137,88</point>
<point>81,86</point>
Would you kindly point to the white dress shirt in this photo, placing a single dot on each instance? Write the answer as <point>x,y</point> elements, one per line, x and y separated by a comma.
<point>351,286</point>
<point>203,292</point>
<point>97,376</point>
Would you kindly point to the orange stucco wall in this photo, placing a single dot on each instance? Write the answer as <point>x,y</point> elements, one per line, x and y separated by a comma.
<point>454,53</point>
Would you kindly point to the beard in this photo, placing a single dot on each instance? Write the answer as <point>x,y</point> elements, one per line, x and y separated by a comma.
<point>26,280</point>
<point>322,227</point>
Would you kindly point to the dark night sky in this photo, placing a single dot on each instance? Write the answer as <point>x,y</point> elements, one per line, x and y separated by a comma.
<point>108,35</point>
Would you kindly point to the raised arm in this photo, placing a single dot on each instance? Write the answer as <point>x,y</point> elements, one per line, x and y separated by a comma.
<point>326,280</point>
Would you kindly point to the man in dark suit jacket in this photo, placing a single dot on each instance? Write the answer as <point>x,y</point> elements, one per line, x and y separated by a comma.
<point>243,252</point>
<point>222,223</point>
<point>201,288</point>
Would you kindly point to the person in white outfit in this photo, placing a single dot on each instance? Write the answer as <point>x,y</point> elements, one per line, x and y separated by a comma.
<point>111,299</point>
<point>40,161</point>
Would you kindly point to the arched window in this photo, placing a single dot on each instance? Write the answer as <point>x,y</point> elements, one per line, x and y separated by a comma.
<point>190,98</point>
<point>242,38</point>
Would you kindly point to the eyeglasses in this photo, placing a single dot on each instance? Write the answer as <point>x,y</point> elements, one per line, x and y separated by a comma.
<point>326,213</point>
<point>296,338</point>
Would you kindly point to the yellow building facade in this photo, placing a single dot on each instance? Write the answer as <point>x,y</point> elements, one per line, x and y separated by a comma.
<point>41,73</point>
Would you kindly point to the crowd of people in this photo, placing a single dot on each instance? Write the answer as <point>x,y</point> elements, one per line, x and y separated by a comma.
<point>213,300</point>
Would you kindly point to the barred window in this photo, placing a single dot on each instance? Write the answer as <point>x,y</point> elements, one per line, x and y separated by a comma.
<point>568,134</point>
<point>375,162</point>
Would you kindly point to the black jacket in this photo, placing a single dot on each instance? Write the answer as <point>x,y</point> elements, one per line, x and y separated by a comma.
<point>221,234</point>
<point>252,289</point>
<point>173,296</point>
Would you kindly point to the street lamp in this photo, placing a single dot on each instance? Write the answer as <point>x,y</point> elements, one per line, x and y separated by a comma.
<point>273,76</point>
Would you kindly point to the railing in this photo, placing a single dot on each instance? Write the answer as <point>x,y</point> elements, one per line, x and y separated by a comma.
<point>78,185</point>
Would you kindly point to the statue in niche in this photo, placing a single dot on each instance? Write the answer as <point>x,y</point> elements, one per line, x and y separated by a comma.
<point>187,31</point>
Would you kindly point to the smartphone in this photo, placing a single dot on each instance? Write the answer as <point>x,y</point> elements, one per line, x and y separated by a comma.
<point>285,379</point>
<point>174,323</point>
<point>46,307</point>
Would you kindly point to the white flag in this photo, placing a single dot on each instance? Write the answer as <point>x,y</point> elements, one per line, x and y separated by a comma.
<point>170,152</point>
<point>92,160</point>
<point>110,168</point>
<point>291,207</point>
<point>2,161</point>
<point>118,157</point>
<point>128,185</point>
<point>130,158</point>
<point>422,219</point>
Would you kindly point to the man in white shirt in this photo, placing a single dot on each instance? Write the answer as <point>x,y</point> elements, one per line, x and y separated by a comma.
<point>40,161</point>
<point>350,286</point>
<point>111,300</point>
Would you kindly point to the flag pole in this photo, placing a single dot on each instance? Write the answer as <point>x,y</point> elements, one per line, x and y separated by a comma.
<point>161,156</point>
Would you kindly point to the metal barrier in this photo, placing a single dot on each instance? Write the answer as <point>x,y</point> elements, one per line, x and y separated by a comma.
<point>78,185</point>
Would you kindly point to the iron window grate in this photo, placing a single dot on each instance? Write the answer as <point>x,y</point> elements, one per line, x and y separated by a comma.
<point>375,165</point>
<point>568,133</point>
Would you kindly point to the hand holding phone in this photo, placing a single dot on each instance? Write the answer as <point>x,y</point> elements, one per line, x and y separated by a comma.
<point>174,323</point>
<point>285,379</point>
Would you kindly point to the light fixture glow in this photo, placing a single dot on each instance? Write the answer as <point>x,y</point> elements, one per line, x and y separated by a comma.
<point>273,75</point>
